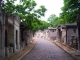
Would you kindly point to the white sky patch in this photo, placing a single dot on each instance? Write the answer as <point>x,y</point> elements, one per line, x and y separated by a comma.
<point>17,2</point>
<point>53,7</point>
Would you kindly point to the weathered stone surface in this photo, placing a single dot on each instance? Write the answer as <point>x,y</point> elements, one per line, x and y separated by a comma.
<point>45,50</point>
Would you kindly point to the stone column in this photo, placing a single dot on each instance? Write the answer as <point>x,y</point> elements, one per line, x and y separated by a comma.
<point>0,12</point>
<point>18,41</point>
<point>78,25</point>
<point>3,36</point>
<point>16,32</point>
<point>14,43</point>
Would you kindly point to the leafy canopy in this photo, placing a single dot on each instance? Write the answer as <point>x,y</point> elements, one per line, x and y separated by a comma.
<point>25,10</point>
<point>53,20</point>
<point>70,10</point>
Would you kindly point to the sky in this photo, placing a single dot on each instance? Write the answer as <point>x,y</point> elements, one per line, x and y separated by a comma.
<point>53,7</point>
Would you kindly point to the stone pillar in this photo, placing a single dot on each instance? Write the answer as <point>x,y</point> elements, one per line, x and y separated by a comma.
<point>14,49</point>
<point>0,32</point>
<point>18,41</point>
<point>0,4</point>
<point>11,49</point>
<point>0,11</point>
<point>3,37</point>
<point>16,35</point>
<point>78,25</point>
<point>2,18</point>
<point>7,51</point>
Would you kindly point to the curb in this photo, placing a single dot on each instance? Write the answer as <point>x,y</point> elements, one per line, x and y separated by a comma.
<point>27,51</point>
<point>76,58</point>
<point>68,52</point>
<point>24,51</point>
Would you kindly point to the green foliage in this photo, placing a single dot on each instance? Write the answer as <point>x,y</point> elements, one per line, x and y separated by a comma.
<point>25,10</point>
<point>9,6</point>
<point>53,20</point>
<point>44,25</point>
<point>70,10</point>
<point>61,21</point>
<point>40,11</point>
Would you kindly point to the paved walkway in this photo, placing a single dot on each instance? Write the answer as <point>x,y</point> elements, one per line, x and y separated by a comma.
<point>23,52</point>
<point>74,53</point>
<point>45,50</point>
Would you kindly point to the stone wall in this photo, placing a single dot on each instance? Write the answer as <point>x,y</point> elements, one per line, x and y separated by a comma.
<point>53,34</point>
<point>0,35</point>
<point>16,35</point>
<point>71,32</point>
<point>63,35</point>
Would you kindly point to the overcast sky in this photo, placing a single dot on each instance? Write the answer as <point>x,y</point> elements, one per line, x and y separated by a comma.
<point>53,7</point>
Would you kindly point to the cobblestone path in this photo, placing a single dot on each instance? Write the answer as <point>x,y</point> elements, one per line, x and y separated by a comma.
<point>45,50</point>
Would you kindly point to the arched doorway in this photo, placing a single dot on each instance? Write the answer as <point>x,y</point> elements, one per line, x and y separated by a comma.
<point>59,34</point>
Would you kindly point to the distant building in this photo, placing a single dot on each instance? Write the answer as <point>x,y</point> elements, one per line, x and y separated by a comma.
<point>52,33</point>
<point>45,34</point>
<point>65,33</point>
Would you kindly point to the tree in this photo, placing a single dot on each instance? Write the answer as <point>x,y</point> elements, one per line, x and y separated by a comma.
<point>44,24</point>
<point>70,10</point>
<point>25,10</point>
<point>53,20</point>
<point>61,21</point>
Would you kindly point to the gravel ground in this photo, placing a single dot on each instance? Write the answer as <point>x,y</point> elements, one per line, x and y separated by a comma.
<point>45,50</point>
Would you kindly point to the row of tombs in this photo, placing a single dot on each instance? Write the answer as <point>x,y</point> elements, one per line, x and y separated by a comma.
<point>67,34</point>
<point>14,35</point>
